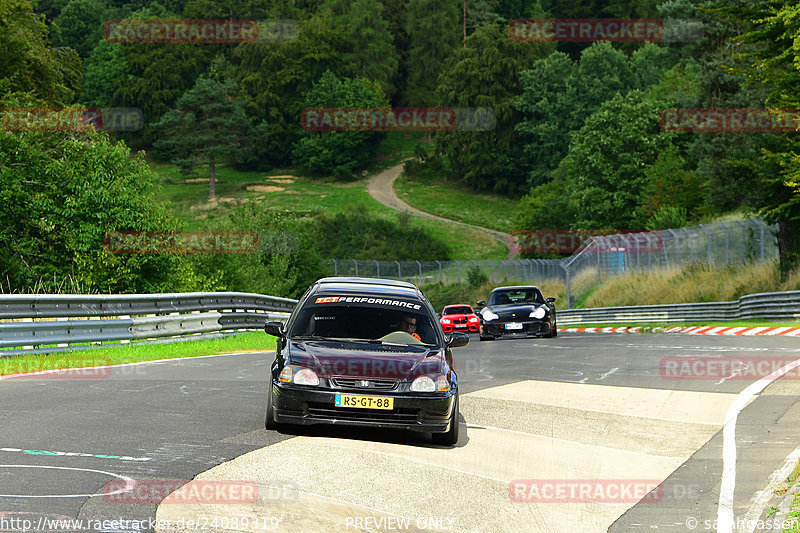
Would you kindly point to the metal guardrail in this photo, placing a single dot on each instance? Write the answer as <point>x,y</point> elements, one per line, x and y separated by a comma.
<point>35,320</point>
<point>783,306</point>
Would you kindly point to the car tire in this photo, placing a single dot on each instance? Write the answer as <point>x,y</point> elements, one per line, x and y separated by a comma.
<point>450,437</point>
<point>269,422</point>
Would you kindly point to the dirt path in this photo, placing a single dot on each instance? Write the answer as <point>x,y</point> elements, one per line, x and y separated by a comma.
<point>381,187</point>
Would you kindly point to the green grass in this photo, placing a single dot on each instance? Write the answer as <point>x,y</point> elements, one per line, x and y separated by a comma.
<point>455,202</point>
<point>189,202</point>
<point>121,354</point>
<point>396,146</point>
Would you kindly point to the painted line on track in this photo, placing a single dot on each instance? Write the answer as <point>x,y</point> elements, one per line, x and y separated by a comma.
<point>725,521</point>
<point>128,482</point>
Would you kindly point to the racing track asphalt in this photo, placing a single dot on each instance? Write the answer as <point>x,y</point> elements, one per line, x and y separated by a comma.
<point>577,406</point>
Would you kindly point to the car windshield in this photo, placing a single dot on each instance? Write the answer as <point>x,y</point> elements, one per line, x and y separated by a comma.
<point>517,296</point>
<point>458,310</point>
<point>363,323</point>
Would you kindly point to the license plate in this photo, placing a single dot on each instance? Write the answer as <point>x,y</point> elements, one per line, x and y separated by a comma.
<point>364,402</point>
<point>461,325</point>
<point>513,325</point>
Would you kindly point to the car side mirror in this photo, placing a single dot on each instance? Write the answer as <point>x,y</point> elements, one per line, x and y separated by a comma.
<point>457,340</point>
<point>551,299</point>
<point>482,303</point>
<point>275,328</point>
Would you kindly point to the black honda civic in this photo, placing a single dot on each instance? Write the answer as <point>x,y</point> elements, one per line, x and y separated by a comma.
<point>517,311</point>
<point>365,352</point>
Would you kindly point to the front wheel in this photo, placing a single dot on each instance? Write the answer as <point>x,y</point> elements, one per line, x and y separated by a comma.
<point>449,438</point>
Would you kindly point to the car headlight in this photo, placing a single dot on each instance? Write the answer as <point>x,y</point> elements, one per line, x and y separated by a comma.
<point>446,321</point>
<point>427,384</point>
<point>488,315</point>
<point>298,375</point>
<point>472,319</point>
<point>538,313</point>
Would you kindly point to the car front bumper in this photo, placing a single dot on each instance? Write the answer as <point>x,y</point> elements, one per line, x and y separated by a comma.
<point>411,411</point>
<point>498,328</point>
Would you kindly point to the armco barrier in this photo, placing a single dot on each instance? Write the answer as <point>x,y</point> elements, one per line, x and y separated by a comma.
<point>778,306</point>
<point>35,320</point>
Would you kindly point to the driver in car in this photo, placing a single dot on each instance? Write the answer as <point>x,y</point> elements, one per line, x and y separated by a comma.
<point>409,325</point>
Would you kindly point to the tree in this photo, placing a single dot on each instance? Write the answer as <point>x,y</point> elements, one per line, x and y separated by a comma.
<point>27,62</point>
<point>608,158</point>
<point>81,24</point>
<point>370,52</point>
<point>275,77</point>
<point>60,193</point>
<point>773,61</point>
<point>434,32</point>
<point>485,74</point>
<point>339,152</point>
<point>207,125</point>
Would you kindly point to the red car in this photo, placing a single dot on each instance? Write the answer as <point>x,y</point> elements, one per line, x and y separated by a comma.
<point>458,317</point>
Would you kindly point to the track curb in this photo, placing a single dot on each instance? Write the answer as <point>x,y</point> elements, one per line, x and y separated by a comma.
<point>694,330</point>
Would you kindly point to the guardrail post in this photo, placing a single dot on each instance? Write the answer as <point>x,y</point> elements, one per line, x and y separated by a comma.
<point>377,268</point>
<point>763,242</point>
<point>567,280</point>
<point>459,271</point>
<point>708,238</point>
<point>727,244</point>
<point>356,265</point>
<point>595,241</point>
<point>399,275</point>
<point>440,271</point>
<point>677,246</point>
<point>491,270</point>
<point>420,271</point>
<point>335,267</point>
<point>691,244</point>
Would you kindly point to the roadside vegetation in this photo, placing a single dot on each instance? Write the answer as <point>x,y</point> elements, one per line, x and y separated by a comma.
<point>693,284</point>
<point>117,354</point>
<point>455,201</point>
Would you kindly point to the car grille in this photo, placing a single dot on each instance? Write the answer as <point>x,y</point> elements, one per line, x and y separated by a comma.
<point>521,317</point>
<point>372,384</point>
<point>327,411</point>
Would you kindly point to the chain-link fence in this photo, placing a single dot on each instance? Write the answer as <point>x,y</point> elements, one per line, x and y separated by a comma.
<point>717,245</point>
<point>602,256</point>
<point>519,271</point>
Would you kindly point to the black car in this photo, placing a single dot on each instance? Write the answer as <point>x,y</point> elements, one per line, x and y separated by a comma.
<point>517,311</point>
<point>365,352</point>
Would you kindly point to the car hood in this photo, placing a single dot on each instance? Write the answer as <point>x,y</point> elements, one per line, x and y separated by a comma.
<point>365,360</point>
<point>457,316</point>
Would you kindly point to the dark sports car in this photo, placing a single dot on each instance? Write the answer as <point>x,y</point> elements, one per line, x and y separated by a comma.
<point>517,311</point>
<point>365,352</point>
